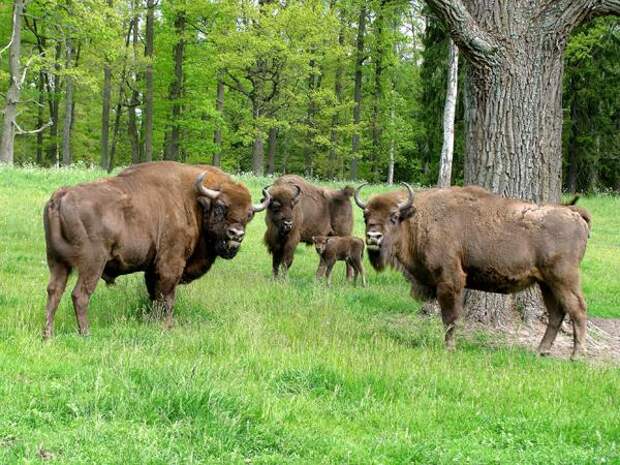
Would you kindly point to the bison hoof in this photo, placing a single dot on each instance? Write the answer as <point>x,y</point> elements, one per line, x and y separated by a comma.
<point>578,355</point>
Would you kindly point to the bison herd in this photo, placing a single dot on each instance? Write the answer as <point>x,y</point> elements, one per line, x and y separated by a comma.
<point>171,221</point>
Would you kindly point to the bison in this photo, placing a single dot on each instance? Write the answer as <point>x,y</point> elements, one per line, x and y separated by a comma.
<point>349,249</point>
<point>169,220</point>
<point>298,211</point>
<point>451,239</point>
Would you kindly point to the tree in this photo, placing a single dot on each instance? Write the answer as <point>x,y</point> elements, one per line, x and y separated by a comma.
<point>513,104</point>
<point>148,78</point>
<point>447,149</point>
<point>171,151</point>
<point>360,57</point>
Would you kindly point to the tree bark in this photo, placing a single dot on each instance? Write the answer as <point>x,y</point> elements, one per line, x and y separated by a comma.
<point>447,149</point>
<point>40,116</point>
<point>332,162</point>
<point>54,104</point>
<point>66,129</point>
<point>217,135</point>
<point>7,139</point>
<point>105,111</point>
<point>258,151</point>
<point>572,145</point>
<point>273,148</point>
<point>176,89</point>
<point>513,105</point>
<point>390,174</point>
<point>148,78</point>
<point>378,90</point>
<point>357,93</point>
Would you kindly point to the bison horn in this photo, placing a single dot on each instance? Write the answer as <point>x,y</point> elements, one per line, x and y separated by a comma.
<point>409,202</point>
<point>259,207</point>
<point>356,196</point>
<point>210,193</point>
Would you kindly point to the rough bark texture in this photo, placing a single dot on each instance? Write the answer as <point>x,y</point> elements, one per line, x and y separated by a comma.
<point>176,90</point>
<point>273,149</point>
<point>66,129</point>
<point>148,78</point>
<point>217,136</point>
<point>357,93</point>
<point>12,96</point>
<point>447,149</point>
<point>105,111</point>
<point>40,116</point>
<point>332,158</point>
<point>513,104</point>
<point>390,173</point>
<point>132,126</point>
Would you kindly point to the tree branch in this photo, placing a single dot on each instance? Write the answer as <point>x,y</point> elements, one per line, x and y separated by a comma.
<point>19,131</point>
<point>605,7</point>
<point>479,46</point>
<point>562,16</point>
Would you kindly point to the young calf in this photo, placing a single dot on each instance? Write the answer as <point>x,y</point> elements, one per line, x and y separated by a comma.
<point>333,248</point>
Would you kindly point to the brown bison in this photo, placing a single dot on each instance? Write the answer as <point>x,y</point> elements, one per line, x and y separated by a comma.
<point>297,211</point>
<point>167,219</point>
<point>349,249</point>
<point>447,240</point>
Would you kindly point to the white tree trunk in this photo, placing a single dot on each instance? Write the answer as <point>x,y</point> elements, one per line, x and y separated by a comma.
<point>12,96</point>
<point>390,175</point>
<point>447,149</point>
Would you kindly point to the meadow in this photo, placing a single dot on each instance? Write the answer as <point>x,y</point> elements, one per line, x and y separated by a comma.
<point>288,372</point>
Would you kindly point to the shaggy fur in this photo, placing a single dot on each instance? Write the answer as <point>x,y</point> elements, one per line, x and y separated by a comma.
<point>465,237</point>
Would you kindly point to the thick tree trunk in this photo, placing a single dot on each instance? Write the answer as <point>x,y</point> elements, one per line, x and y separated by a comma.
<point>176,90</point>
<point>217,135</point>
<point>378,89</point>
<point>66,129</point>
<point>447,149</point>
<point>333,137</point>
<point>105,111</point>
<point>273,148</point>
<point>7,138</point>
<point>148,78</point>
<point>513,106</point>
<point>54,104</point>
<point>357,93</point>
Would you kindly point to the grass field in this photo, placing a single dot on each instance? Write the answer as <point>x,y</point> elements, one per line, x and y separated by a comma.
<point>257,372</point>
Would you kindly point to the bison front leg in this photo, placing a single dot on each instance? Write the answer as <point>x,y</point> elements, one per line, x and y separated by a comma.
<point>359,271</point>
<point>320,272</point>
<point>450,299</point>
<point>328,273</point>
<point>276,262</point>
<point>168,276</point>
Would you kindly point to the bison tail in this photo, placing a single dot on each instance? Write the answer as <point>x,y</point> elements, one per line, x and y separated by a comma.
<point>573,201</point>
<point>55,230</point>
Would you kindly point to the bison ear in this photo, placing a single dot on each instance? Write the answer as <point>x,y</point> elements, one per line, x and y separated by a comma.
<point>406,213</point>
<point>205,202</point>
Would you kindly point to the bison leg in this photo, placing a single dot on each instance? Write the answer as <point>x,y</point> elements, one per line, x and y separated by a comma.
<point>288,255</point>
<point>150,281</point>
<point>276,262</point>
<point>168,276</point>
<point>351,274</point>
<point>328,273</point>
<point>450,299</point>
<point>84,288</point>
<point>573,303</point>
<point>59,272</point>
<point>320,272</point>
<point>359,271</point>
<point>555,316</point>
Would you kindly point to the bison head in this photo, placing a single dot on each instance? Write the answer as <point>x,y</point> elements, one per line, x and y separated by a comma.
<point>320,242</point>
<point>284,199</point>
<point>383,215</point>
<point>226,212</point>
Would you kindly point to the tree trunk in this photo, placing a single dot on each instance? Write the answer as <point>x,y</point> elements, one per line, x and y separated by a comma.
<point>66,129</point>
<point>390,175</point>
<point>176,89</point>
<point>217,135</point>
<point>258,151</point>
<point>333,137</point>
<point>40,115</point>
<point>357,93</point>
<point>148,78</point>
<point>447,149</point>
<point>572,144</point>
<point>7,138</point>
<point>513,105</point>
<point>132,126</point>
<point>273,148</point>
<point>105,111</point>
<point>54,104</point>
<point>378,90</point>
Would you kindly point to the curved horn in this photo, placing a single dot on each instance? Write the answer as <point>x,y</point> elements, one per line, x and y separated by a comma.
<point>259,207</point>
<point>356,196</point>
<point>298,191</point>
<point>409,201</point>
<point>210,193</point>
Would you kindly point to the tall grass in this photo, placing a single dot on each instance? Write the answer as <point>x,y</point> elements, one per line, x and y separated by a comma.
<point>265,372</point>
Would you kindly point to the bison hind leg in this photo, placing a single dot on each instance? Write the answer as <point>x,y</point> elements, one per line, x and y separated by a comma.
<point>88,277</point>
<point>59,273</point>
<point>555,318</point>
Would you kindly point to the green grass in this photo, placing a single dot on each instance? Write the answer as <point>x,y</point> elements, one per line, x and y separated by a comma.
<point>257,372</point>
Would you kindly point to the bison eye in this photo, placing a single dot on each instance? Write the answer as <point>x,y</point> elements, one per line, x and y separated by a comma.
<point>219,211</point>
<point>394,218</point>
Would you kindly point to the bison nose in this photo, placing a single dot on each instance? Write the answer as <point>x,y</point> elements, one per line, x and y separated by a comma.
<point>374,238</point>
<point>287,224</point>
<point>235,234</point>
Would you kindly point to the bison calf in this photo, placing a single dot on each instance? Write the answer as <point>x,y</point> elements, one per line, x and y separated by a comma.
<point>332,249</point>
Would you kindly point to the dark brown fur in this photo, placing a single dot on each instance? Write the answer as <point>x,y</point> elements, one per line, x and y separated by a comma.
<point>316,212</point>
<point>148,218</point>
<point>466,237</point>
<point>331,249</point>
